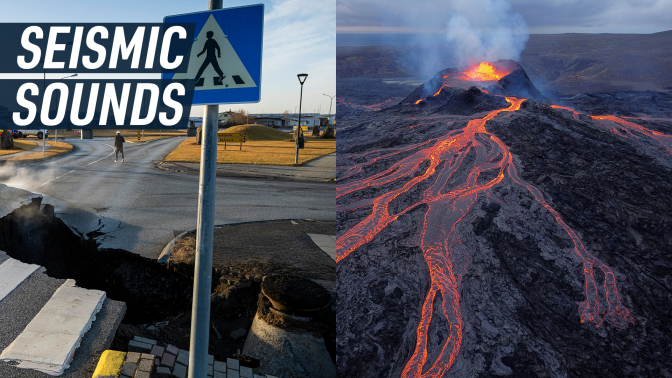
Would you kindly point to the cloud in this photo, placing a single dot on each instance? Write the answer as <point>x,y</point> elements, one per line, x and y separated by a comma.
<point>549,16</point>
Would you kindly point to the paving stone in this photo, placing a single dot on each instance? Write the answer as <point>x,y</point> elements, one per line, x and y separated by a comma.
<point>144,340</point>
<point>147,356</point>
<point>257,376</point>
<point>157,351</point>
<point>162,372</point>
<point>232,373</point>
<point>143,374</point>
<point>180,371</point>
<point>232,364</point>
<point>146,365</point>
<point>183,357</point>
<point>124,376</point>
<point>220,366</point>
<point>168,360</point>
<point>211,370</point>
<point>136,346</point>
<point>270,376</point>
<point>157,361</point>
<point>128,369</point>
<point>219,374</point>
<point>211,359</point>
<point>133,357</point>
<point>172,350</point>
<point>245,372</point>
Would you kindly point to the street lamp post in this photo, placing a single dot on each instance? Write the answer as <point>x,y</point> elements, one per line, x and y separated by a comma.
<point>330,102</point>
<point>56,136</point>
<point>298,133</point>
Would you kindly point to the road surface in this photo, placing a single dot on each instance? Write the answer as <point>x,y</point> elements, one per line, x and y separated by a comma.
<point>137,207</point>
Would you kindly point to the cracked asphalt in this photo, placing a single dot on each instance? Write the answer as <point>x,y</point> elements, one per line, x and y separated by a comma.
<point>137,207</point>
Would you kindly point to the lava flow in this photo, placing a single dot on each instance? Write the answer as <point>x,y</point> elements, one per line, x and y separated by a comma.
<point>626,128</point>
<point>446,207</point>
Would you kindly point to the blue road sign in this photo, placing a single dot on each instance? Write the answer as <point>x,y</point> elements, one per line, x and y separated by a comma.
<point>225,59</point>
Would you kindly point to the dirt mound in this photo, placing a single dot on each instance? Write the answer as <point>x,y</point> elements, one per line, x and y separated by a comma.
<point>257,132</point>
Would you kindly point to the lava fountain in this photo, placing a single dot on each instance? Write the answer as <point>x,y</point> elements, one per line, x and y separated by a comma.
<point>483,72</point>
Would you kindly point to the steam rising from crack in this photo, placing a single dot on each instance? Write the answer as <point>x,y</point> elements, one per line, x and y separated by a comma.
<point>23,177</point>
<point>485,30</point>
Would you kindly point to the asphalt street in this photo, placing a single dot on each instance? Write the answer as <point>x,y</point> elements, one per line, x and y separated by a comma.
<point>137,207</point>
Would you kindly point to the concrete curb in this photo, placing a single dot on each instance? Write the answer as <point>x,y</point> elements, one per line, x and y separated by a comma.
<point>239,175</point>
<point>165,254</point>
<point>150,141</point>
<point>37,161</point>
<point>109,364</point>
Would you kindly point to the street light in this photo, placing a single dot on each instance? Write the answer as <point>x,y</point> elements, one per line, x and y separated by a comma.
<point>56,136</point>
<point>298,133</point>
<point>330,102</point>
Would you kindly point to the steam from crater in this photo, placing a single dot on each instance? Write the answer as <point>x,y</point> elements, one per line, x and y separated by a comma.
<point>485,30</point>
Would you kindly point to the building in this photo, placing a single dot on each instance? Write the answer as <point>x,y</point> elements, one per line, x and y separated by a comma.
<point>195,122</point>
<point>279,120</point>
<point>272,121</point>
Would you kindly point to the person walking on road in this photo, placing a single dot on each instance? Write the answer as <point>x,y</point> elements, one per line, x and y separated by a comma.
<point>119,147</point>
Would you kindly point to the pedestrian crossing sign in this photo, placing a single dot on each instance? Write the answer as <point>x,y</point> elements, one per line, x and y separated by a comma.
<point>225,58</point>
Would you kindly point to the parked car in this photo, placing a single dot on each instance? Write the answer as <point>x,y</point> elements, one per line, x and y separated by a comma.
<point>26,132</point>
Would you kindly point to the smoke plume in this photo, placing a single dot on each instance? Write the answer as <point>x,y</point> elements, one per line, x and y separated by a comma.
<point>485,30</point>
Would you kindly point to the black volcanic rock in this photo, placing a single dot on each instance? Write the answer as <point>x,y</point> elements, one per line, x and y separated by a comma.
<point>520,280</point>
<point>518,84</point>
<point>458,101</point>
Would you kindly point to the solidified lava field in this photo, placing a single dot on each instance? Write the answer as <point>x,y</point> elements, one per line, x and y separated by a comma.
<point>509,238</point>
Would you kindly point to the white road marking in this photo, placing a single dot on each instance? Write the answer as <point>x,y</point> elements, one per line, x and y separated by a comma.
<point>105,157</point>
<point>49,342</point>
<point>12,273</point>
<point>327,243</point>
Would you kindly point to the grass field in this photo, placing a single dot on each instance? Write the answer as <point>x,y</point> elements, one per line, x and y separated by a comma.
<point>262,152</point>
<point>258,132</point>
<point>19,145</point>
<point>57,148</point>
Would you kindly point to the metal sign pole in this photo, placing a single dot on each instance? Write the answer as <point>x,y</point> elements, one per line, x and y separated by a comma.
<point>205,229</point>
<point>299,132</point>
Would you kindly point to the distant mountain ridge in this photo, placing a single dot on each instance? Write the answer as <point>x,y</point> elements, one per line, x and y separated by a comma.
<point>565,64</point>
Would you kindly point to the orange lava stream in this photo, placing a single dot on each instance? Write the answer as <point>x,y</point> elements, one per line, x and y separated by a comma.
<point>442,250</point>
<point>663,139</point>
<point>576,114</point>
<point>627,128</point>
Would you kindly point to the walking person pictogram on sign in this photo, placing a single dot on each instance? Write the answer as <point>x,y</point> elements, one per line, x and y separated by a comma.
<point>209,47</point>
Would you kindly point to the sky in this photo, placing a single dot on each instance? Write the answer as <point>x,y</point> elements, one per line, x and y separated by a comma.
<point>541,16</point>
<point>299,37</point>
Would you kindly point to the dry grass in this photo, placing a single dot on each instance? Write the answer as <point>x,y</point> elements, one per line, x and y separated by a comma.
<point>257,132</point>
<point>274,152</point>
<point>184,251</point>
<point>57,148</point>
<point>19,145</point>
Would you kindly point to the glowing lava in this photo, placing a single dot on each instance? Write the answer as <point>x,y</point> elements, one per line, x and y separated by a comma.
<point>446,257</point>
<point>625,129</point>
<point>483,72</point>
